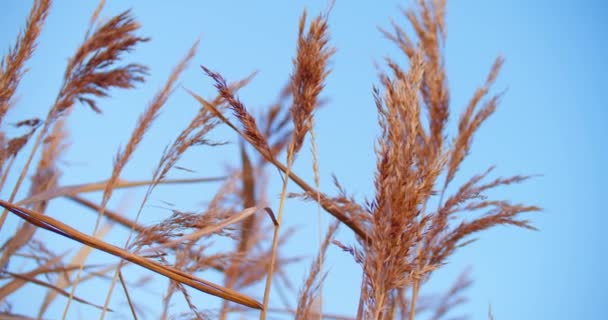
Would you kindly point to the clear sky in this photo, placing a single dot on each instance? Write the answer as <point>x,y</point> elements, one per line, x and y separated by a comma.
<point>551,122</point>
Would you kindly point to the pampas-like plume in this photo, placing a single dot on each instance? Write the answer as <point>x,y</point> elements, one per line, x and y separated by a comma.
<point>408,240</point>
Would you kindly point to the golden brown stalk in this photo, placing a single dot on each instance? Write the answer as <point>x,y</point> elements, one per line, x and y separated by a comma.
<point>123,284</point>
<point>114,216</point>
<point>62,229</point>
<point>317,178</point>
<point>247,227</point>
<point>63,281</point>
<point>275,235</point>
<point>51,287</point>
<point>72,190</point>
<point>327,204</point>
<point>14,285</point>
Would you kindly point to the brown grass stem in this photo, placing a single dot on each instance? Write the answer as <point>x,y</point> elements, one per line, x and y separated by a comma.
<point>50,224</point>
<point>326,203</point>
<point>275,234</point>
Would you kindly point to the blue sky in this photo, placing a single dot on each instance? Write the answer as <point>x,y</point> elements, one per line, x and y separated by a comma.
<point>551,122</point>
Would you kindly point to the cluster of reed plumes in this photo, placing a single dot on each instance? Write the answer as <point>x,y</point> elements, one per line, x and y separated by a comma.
<point>404,234</point>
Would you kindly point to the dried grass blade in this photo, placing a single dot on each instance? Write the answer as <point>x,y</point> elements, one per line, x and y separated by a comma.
<point>60,228</point>
<point>12,316</point>
<point>63,281</point>
<point>248,198</point>
<point>248,227</point>
<point>54,288</point>
<point>16,284</point>
<point>116,217</point>
<point>100,186</point>
<point>124,287</point>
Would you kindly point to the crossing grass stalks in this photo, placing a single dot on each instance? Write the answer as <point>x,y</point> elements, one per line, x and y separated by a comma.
<point>405,233</point>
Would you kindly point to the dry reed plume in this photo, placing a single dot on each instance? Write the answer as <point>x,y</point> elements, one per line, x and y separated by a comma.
<point>404,233</point>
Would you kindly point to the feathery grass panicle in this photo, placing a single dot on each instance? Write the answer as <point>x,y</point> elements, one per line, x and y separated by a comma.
<point>306,84</point>
<point>45,177</point>
<point>409,241</point>
<point>429,28</point>
<point>252,133</point>
<point>91,73</point>
<point>12,66</point>
<point>122,22</point>
<point>192,135</point>
<point>453,297</point>
<point>310,72</point>
<point>145,121</point>
<point>12,147</point>
<point>325,202</point>
<point>470,121</point>
<point>401,240</point>
<point>309,293</point>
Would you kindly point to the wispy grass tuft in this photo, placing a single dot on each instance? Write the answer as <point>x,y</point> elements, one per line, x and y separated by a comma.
<point>405,233</point>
